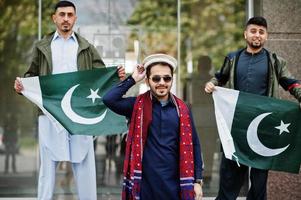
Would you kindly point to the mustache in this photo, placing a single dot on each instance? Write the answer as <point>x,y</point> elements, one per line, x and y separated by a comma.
<point>161,86</point>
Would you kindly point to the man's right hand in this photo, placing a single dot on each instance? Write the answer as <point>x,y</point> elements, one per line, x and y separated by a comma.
<point>209,87</point>
<point>139,73</point>
<point>18,85</point>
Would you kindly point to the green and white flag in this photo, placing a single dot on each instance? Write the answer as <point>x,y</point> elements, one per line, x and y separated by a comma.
<point>259,131</point>
<point>74,101</point>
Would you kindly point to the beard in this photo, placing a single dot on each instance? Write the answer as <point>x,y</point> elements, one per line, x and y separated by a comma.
<point>255,45</point>
<point>66,27</point>
<point>65,30</point>
<point>160,92</point>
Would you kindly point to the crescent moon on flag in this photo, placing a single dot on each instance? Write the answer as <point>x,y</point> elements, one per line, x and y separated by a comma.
<point>254,142</point>
<point>67,109</point>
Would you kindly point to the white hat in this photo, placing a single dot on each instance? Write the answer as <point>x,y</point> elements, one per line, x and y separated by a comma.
<point>154,58</point>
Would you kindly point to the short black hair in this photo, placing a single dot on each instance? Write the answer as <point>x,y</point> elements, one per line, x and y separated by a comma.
<point>64,4</point>
<point>258,20</point>
<point>148,69</point>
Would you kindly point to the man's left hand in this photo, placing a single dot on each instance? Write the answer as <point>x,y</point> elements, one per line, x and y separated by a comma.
<point>198,191</point>
<point>121,72</point>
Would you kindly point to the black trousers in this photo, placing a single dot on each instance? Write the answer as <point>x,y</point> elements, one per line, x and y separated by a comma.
<point>232,178</point>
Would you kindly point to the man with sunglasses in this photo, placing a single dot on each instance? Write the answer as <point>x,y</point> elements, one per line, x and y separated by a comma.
<point>163,155</point>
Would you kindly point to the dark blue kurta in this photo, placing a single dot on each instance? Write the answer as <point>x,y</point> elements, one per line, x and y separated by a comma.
<point>252,72</point>
<point>160,164</point>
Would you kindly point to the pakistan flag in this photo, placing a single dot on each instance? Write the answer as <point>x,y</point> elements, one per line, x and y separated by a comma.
<point>74,101</point>
<point>259,131</point>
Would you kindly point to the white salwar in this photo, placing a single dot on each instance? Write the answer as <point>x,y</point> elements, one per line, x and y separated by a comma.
<point>61,146</point>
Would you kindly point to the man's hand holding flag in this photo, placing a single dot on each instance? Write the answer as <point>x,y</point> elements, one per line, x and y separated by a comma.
<point>73,100</point>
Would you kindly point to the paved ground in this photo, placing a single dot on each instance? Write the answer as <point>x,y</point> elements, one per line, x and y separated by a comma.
<point>66,198</point>
<point>24,182</point>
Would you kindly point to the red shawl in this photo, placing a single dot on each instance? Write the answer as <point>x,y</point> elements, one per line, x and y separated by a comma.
<point>140,121</point>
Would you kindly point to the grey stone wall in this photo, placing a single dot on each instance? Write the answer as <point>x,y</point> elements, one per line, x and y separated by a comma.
<point>284,26</point>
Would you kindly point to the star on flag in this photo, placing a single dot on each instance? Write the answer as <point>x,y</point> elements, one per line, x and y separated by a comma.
<point>94,95</point>
<point>283,127</point>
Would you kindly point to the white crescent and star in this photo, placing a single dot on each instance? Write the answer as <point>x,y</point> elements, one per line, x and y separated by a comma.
<point>67,109</point>
<point>254,142</point>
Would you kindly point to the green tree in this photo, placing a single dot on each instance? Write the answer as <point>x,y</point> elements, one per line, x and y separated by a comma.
<point>208,27</point>
<point>155,25</point>
<point>18,32</point>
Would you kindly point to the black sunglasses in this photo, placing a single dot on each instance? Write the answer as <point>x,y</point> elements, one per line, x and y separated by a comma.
<point>157,78</point>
